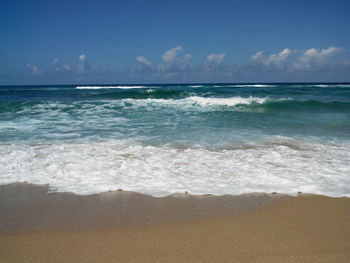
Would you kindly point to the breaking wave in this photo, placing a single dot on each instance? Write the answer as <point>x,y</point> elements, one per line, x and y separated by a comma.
<point>245,86</point>
<point>111,87</point>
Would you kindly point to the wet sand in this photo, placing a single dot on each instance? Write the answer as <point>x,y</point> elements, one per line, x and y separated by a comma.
<point>127,227</point>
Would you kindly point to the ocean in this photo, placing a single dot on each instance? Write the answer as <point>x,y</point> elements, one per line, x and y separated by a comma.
<point>164,139</point>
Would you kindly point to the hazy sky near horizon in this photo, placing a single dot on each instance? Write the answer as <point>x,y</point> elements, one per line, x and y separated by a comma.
<point>64,42</point>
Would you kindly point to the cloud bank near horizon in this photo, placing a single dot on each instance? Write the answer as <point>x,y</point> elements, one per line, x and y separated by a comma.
<point>178,66</point>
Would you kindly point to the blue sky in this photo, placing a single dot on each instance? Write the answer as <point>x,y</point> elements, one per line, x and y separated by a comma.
<point>64,42</point>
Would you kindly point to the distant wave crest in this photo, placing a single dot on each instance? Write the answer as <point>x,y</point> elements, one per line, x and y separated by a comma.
<point>321,85</point>
<point>110,87</point>
<point>244,86</point>
<point>333,85</point>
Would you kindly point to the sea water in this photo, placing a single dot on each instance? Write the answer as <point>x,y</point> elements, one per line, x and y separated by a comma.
<point>163,139</point>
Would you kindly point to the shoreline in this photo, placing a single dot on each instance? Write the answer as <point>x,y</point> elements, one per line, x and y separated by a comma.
<point>44,210</point>
<point>37,226</point>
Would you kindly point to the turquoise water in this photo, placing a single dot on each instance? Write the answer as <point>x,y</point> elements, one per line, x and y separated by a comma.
<point>163,139</point>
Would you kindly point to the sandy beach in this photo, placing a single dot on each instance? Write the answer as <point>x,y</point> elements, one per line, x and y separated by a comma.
<point>174,131</point>
<point>37,226</point>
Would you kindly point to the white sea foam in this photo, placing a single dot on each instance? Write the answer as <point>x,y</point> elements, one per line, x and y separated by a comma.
<point>281,165</point>
<point>233,101</point>
<point>104,113</point>
<point>332,85</point>
<point>110,87</point>
<point>196,86</point>
<point>256,86</point>
<point>245,86</point>
<point>150,90</point>
<point>204,103</point>
<point>108,106</point>
<point>322,85</point>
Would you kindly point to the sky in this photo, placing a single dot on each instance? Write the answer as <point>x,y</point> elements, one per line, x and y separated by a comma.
<point>147,41</point>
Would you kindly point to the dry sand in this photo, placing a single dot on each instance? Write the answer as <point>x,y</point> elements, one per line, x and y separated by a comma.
<point>184,228</point>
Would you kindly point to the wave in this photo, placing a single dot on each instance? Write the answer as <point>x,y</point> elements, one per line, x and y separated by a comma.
<point>244,86</point>
<point>255,86</point>
<point>332,85</point>
<point>289,105</point>
<point>140,94</point>
<point>16,106</point>
<point>230,102</point>
<point>196,86</point>
<point>281,164</point>
<point>111,87</point>
<point>210,103</point>
<point>224,86</point>
<point>321,85</point>
<point>249,104</point>
<point>160,99</point>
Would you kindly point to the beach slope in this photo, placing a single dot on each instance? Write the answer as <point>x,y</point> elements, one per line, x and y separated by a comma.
<point>307,228</point>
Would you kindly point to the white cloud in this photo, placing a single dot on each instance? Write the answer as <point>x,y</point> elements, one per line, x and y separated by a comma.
<point>144,62</point>
<point>66,67</point>
<point>188,57</point>
<point>170,55</point>
<point>214,61</point>
<point>276,61</point>
<point>184,63</point>
<point>36,71</point>
<point>83,64</point>
<point>60,67</point>
<point>174,63</point>
<point>316,59</point>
